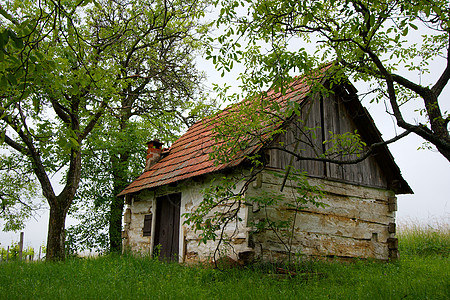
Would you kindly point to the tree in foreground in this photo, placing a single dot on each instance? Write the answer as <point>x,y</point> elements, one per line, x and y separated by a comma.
<point>363,40</point>
<point>373,41</point>
<point>64,69</point>
<point>159,95</point>
<point>54,90</point>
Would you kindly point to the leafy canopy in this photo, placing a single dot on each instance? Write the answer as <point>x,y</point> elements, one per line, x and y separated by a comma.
<point>386,43</point>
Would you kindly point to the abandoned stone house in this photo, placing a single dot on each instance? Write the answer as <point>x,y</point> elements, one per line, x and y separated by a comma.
<point>358,219</point>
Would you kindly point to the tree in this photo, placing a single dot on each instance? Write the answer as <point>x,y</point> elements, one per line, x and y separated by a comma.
<point>17,193</point>
<point>55,89</point>
<point>363,40</point>
<point>368,40</point>
<point>73,62</point>
<point>159,95</point>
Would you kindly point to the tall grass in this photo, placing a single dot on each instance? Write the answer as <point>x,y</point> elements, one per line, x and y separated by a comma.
<point>114,277</point>
<point>416,238</point>
<point>423,274</point>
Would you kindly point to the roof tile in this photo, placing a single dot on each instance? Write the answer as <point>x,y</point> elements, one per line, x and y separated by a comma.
<point>189,155</point>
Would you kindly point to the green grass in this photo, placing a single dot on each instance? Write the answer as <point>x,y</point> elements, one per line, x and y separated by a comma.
<point>417,275</point>
<point>424,240</point>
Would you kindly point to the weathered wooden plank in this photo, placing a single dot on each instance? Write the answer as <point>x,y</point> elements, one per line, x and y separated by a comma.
<point>331,124</point>
<point>338,188</point>
<point>167,229</point>
<point>338,121</point>
<point>392,203</point>
<point>368,210</point>
<point>314,120</point>
<point>310,117</point>
<point>147,229</point>
<point>328,224</point>
<point>268,246</point>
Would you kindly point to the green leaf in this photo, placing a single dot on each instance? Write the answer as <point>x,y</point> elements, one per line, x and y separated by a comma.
<point>98,5</point>
<point>12,79</point>
<point>36,105</point>
<point>2,136</point>
<point>73,143</point>
<point>39,55</point>
<point>4,37</point>
<point>18,43</point>
<point>6,14</point>
<point>436,9</point>
<point>405,31</point>
<point>372,20</point>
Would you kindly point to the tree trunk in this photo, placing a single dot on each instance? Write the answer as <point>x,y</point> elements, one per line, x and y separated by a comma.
<point>59,206</point>
<point>119,166</point>
<point>56,233</point>
<point>115,225</point>
<point>119,171</point>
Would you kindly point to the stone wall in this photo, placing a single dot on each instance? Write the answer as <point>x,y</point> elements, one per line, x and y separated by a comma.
<point>356,221</point>
<point>140,206</point>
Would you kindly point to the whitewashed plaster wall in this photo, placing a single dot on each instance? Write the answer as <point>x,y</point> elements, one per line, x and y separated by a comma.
<point>190,249</point>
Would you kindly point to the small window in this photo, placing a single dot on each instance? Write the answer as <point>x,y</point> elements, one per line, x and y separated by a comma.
<point>147,230</point>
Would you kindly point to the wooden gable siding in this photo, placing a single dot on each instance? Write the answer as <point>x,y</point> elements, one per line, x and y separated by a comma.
<point>325,115</point>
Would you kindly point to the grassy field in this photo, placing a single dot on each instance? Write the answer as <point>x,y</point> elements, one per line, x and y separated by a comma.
<point>420,274</point>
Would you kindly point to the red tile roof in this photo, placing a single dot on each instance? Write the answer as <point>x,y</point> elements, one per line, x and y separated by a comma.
<point>189,155</point>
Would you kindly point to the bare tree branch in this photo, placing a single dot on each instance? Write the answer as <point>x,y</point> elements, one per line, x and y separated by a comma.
<point>371,149</point>
<point>443,80</point>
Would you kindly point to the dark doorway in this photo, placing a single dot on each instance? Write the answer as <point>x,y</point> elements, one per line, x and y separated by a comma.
<point>167,227</point>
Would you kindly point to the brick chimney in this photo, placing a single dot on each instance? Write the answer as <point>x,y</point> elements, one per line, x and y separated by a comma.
<point>153,153</point>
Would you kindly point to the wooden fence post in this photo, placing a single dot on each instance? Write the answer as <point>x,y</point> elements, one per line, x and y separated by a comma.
<point>20,246</point>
